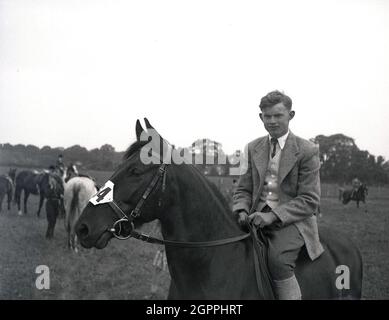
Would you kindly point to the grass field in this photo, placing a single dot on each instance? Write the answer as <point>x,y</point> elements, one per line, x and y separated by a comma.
<point>123,270</point>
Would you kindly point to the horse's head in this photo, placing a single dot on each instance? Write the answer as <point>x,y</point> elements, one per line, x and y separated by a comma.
<point>50,184</point>
<point>70,171</point>
<point>130,196</point>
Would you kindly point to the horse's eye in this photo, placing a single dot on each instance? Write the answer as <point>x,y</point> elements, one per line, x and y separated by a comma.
<point>134,171</point>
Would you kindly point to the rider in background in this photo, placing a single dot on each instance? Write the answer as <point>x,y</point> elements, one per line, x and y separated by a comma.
<point>58,170</point>
<point>60,164</point>
<point>356,183</point>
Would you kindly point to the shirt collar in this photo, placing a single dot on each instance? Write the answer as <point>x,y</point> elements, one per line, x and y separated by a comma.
<point>281,140</point>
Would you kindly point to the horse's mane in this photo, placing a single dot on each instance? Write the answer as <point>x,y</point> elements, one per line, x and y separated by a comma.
<point>213,188</point>
<point>133,148</point>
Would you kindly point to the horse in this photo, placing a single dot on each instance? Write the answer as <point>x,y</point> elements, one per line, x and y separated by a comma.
<point>209,256</point>
<point>71,172</point>
<point>357,195</point>
<point>78,191</point>
<point>28,181</point>
<point>7,182</point>
<point>52,189</point>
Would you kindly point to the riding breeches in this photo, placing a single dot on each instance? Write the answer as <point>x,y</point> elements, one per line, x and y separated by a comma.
<point>284,247</point>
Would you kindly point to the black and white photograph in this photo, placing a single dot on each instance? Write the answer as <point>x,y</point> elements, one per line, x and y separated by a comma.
<point>215,150</point>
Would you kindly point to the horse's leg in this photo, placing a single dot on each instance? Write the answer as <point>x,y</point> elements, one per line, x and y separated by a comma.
<point>1,201</point>
<point>55,216</point>
<point>9,199</point>
<point>62,211</point>
<point>26,195</point>
<point>71,232</point>
<point>49,214</point>
<point>41,198</point>
<point>69,240</point>
<point>67,227</point>
<point>73,238</point>
<point>18,195</point>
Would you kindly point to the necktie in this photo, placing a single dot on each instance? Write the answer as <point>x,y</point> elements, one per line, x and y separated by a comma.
<point>274,142</point>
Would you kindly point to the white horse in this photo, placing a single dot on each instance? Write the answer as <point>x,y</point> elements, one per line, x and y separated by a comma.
<point>78,191</point>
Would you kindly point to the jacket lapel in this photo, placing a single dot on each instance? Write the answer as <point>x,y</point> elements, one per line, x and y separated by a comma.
<point>261,160</point>
<point>288,157</point>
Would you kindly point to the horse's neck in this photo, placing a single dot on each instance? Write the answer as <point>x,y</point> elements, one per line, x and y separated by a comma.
<point>12,176</point>
<point>63,175</point>
<point>198,213</point>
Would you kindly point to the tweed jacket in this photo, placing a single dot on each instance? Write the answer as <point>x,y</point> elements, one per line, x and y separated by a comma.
<point>298,181</point>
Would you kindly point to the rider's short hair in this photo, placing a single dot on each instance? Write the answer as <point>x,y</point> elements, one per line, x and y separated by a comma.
<point>275,97</point>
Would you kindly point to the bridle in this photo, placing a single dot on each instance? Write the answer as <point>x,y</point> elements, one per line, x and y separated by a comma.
<point>261,272</point>
<point>135,213</point>
<point>126,221</point>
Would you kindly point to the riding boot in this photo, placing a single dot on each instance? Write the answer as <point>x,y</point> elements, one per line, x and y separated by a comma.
<point>287,289</point>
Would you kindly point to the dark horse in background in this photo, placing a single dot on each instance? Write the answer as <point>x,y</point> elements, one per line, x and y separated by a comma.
<point>29,182</point>
<point>7,182</point>
<point>358,195</point>
<point>52,189</point>
<point>192,210</point>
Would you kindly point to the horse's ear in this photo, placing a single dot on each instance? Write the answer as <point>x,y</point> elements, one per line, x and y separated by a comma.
<point>138,130</point>
<point>148,125</point>
<point>160,145</point>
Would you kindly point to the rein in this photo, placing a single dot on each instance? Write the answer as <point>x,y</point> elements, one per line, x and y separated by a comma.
<point>187,244</point>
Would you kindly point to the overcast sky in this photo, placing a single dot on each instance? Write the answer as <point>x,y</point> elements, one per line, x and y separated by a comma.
<point>82,72</point>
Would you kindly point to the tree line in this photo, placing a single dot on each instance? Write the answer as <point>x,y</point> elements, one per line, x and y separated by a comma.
<point>341,159</point>
<point>30,156</point>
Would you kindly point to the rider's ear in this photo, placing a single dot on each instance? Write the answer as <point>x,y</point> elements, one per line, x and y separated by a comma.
<point>138,130</point>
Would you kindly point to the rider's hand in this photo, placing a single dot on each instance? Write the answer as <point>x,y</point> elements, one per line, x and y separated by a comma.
<point>262,219</point>
<point>243,218</point>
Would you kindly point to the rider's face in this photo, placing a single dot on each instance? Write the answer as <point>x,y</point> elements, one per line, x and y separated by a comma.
<point>276,119</point>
